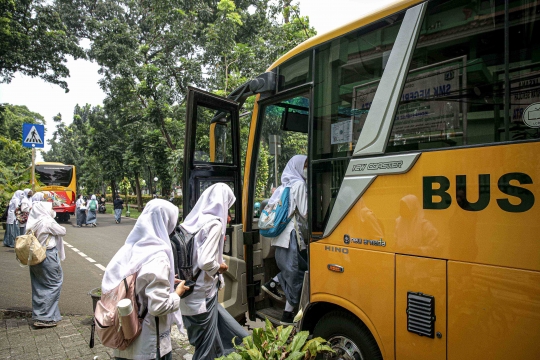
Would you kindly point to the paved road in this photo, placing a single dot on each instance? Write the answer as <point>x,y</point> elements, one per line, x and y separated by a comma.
<point>88,253</point>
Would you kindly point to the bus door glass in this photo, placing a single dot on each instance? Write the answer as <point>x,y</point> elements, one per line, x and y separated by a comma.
<point>282,132</point>
<point>212,155</point>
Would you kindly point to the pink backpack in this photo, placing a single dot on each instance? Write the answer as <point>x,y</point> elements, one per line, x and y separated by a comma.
<point>107,320</point>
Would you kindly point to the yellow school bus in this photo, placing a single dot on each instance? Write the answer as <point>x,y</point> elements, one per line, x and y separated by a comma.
<point>421,123</point>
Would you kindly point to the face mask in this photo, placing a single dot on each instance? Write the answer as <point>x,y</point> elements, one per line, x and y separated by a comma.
<point>305,173</point>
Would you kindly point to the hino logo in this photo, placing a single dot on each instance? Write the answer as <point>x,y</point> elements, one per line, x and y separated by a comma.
<point>336,249</point>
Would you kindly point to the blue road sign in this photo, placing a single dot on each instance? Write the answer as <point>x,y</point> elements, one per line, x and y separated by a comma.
<point>33,134</point>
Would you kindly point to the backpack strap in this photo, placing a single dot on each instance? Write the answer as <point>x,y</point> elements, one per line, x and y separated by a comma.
<point>158,355</point>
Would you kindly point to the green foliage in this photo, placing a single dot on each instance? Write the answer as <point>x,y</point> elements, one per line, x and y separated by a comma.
<point>12,179</point>
<point>280,343</point>
<point>12,117</point>
<point>35,41</point>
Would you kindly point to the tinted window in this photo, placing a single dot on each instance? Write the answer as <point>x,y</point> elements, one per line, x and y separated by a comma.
<point>347,71</point>
<point>213,143</point>
<point>455,91</point>
<point>295,72</point>
<point>57,175</point>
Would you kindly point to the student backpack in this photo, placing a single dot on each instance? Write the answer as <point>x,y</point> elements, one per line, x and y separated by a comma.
<point>275,217</point>
<point>106,321</point>
<point>182,248</point>
<point>92,206</point>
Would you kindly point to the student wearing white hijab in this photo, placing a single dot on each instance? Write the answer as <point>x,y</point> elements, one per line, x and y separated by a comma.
<point>46,277</point>
<point>147,252</point>
<point>26,206</point>
<point>210,327</point>
<point>290,254</point>
<point>12,228</point>
<point>37,197</point>
<point>91,215</point>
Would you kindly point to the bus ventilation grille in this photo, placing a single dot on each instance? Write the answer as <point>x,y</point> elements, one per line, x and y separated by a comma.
<point>421,314</point>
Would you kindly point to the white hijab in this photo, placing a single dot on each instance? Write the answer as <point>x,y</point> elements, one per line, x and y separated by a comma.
<point>16,198</point>
<point>37,197</point>
<point>293,172</point>
<point>25,198</point>
<point>41,221</point>
<point>214,203</point>
<point>149,236</point>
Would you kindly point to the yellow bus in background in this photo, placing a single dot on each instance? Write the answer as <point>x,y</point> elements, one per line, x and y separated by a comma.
<point>58,182</point>
<point>421,123</point>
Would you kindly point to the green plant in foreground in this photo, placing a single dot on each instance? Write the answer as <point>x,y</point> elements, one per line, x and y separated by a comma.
<point>278,344</point>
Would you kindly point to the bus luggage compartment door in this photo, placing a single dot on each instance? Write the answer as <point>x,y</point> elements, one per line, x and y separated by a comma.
<point>420,308</point>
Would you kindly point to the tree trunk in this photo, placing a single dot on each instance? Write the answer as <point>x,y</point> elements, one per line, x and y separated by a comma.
<point>139,195</point>
<point>287,14</point>
<point>113,189</point>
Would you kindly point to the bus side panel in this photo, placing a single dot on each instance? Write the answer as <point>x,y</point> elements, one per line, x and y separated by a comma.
<point>423,212</point>
<point>493,313</point>
<point>367,282</point>
<point>427,276</point>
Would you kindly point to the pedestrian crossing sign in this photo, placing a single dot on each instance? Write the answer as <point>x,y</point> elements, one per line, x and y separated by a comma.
<point>33,135</point>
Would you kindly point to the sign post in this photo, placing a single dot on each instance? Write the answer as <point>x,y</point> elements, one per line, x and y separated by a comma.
<point>33,136</point>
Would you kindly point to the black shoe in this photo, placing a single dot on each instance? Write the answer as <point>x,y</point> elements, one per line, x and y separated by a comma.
<point>287,318</point>
<point>271,289</point>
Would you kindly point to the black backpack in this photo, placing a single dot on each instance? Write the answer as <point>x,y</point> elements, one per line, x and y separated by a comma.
<point>182,249</point>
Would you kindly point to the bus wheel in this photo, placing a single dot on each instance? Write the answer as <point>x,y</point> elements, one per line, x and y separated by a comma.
<point>347,336</point>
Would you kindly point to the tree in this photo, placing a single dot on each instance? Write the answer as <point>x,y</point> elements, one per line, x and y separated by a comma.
<point>12,118</point>
<point>35,41</point>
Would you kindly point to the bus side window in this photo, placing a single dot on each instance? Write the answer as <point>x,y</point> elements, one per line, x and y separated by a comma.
<point>455,91</point>
<point>347,74</point>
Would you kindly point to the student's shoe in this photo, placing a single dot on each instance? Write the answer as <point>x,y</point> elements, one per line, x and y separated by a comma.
<point>271,289</point>
<point>44,323</point>
<point>287,318</point>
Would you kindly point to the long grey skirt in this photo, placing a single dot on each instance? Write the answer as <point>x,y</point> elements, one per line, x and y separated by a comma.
<point>212,332</point>
<point>46,279</point>
<point>293,265</point>
<point>12,231</point>
<point>81,217</point>
<point>91,217</point>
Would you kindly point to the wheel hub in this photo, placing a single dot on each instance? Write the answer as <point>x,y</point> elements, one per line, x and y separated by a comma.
<point>345,349</point>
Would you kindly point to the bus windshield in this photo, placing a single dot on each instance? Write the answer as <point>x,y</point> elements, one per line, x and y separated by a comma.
<point>59,175</point>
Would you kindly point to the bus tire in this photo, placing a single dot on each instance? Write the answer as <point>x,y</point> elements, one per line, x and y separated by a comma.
<point>347,336</point>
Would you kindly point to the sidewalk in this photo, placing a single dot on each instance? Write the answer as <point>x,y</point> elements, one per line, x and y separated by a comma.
<point>69,340</point>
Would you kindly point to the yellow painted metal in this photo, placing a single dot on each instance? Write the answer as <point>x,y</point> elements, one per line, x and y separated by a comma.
<point>365,20</point>
<point>392,210</point>
<point>493,312</point>
<point>213,142</point>
<point>247,212</point>
<point>428,276</point>
<point>365,287</point>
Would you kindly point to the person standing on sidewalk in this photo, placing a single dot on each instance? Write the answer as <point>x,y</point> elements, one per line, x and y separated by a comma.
<point>12,228</point>
<point>210,327</point>
<point>91,211</point>
<point>46,277</point>
<point>81,212</point>
<point>147,252</point>
<point>118,204</point>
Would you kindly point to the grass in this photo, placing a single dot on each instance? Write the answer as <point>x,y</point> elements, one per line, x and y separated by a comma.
<point>133,213</point>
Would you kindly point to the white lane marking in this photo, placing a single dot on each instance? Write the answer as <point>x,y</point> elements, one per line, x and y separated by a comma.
<point>101,267</point>
<point>70,246</point>
<point>66,243</point>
